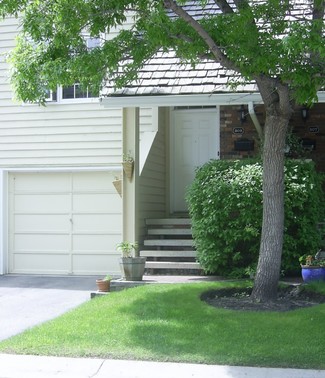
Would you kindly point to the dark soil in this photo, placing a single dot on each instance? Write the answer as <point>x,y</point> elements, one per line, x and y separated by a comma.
<point>289,298</point>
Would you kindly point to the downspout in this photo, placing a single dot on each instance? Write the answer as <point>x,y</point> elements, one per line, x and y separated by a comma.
<point>256,123</point>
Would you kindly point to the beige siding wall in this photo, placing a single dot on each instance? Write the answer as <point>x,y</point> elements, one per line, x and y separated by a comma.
<point>153,178</point>
<point>66,134</point>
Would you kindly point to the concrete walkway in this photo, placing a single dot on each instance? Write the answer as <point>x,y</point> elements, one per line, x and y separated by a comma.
<point>48,367</point>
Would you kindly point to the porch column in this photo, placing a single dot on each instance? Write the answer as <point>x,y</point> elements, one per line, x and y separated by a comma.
<point>130,190</point>
<point>3,222</point>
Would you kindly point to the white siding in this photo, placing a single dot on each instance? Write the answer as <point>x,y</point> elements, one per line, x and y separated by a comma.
<point>153,195</point>
<point>66,134</point>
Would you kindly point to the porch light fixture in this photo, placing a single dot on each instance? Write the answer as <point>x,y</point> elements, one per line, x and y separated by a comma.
<point>304,113</point>
<point>242,114</point>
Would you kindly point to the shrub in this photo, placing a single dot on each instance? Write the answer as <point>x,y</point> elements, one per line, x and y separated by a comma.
<point>225,204</point>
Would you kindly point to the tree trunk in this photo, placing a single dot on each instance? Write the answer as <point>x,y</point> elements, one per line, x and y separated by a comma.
<point>269,263</point>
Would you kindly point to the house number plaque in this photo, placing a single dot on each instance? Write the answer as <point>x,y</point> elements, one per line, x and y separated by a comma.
<point>238,130</point>
<point>314,129</point>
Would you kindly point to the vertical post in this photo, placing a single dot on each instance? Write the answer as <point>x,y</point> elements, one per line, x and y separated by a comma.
<point>131,186</point>
<point>3,223</point>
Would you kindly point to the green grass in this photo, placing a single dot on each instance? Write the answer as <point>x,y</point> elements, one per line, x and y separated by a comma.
<point>170,323</point>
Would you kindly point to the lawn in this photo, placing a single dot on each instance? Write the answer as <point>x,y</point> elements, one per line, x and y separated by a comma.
<point>170,323</point>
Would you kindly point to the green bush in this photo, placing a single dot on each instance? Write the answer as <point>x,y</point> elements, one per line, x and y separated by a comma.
<point>225,204</point>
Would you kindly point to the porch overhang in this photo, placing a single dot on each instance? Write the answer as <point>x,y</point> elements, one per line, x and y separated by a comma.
<point>181,100</point>
<point>233,98</point>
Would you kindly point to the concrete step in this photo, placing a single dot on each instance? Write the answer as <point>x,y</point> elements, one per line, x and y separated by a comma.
<point>169,242</point>
<point>174,250</point>
<point>172,265</point>
<point>169,222</point>
<point>169,231</point>
<point>171,253</point>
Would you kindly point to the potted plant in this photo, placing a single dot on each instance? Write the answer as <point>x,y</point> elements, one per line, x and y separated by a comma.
<point>132,266</point>
<point>104,284</point>
<point>312,268</point>
<point>128,165</point>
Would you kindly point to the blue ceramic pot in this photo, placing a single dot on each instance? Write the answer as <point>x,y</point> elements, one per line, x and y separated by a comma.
<point>313,273</point>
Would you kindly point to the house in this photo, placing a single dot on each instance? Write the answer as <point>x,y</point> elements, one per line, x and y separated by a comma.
<point>60,212</point>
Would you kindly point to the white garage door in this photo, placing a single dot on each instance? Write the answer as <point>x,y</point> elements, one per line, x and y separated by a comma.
<point>64,223</point>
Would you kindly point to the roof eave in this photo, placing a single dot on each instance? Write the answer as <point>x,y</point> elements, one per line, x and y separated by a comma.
<point>181,100</point>
<point>187,100</point>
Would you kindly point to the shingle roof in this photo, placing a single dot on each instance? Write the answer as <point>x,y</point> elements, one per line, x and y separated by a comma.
<point>164,74</point>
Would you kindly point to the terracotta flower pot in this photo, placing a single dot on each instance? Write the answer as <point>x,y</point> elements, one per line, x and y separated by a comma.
<point>103,285</point>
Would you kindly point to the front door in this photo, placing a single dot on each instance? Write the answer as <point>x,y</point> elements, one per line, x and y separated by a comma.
<point>194,141</point>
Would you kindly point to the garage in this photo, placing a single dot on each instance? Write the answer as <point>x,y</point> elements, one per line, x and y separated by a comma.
<point>64,223</point>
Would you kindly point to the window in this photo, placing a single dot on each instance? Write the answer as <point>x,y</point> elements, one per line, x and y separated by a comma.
<point>75,91</point>
<point>51,95</point>
<point>93,42</point>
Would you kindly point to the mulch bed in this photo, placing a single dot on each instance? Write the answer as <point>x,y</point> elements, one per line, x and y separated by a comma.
<point>289,298</point>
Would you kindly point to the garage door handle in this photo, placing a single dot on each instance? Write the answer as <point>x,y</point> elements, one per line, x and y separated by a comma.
<point>71,220</point>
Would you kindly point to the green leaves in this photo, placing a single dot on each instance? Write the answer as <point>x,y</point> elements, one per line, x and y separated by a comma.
<point>225,203</point>
<point>256,39</point>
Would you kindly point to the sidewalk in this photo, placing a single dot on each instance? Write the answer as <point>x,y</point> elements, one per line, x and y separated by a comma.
<point>12,366</point>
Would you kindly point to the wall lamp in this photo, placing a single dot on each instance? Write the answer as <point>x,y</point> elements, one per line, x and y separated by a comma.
<point>242,114</point>
<point>304,113</point>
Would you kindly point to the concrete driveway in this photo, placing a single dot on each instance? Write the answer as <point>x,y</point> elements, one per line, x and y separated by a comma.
<point>29,300</point>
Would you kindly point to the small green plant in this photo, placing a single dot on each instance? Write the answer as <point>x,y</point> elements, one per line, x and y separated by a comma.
<point>127,247</point>
<point>107,278</point>
<point>311,261</point>
<point>315,286</point>
<point>128,157</point>
<point>294,147</point>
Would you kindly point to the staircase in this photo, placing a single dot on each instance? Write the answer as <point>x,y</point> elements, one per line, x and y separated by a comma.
<point>169,247</point>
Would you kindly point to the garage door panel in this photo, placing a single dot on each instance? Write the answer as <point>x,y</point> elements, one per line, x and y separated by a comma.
<point>107,263</point>
<point>66,223</point>
<point>45,203</point>
<point>95,243</point>
<point>58,223</point>
<point>38,263</point>
<point>106,223</point>
<point>100,182</point>
<point>96,202</point>
<point>44,182</point>
<point>44,243</point>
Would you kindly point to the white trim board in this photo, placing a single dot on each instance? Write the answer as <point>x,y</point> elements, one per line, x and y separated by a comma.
<point>188,100</point>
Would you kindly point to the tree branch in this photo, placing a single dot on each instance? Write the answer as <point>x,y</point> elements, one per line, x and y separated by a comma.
<point>318,11</point>
<point>240,3</point>
<point>224,6</point>
<point>318,20</point>
<point>215,50</point>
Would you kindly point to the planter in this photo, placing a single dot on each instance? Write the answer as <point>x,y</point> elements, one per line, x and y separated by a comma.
<point>312,273</point>
<point>128,168</point>
<point>103,285</point>
<point>132,268</point>
<point>118,186</point>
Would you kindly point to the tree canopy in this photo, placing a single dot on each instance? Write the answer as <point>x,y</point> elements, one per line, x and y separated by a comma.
<point>278,39</point>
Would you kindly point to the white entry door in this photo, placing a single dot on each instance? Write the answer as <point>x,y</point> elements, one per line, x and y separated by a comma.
<point>195,140</point>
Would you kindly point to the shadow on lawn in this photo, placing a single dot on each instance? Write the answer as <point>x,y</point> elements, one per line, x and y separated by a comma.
<point>175,324</point>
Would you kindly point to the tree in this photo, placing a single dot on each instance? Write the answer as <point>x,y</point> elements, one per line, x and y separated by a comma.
<point>276,43</point>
